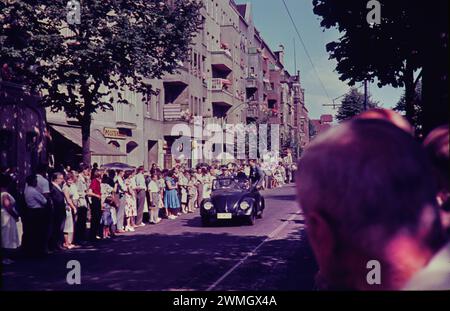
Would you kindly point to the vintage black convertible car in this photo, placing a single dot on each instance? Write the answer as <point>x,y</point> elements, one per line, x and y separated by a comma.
<point>232,198</point>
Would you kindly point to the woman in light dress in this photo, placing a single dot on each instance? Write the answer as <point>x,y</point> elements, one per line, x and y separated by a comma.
<point>9,218</point>
<point>171,200</point>
<point>71,196</point>
<point>130,199</point>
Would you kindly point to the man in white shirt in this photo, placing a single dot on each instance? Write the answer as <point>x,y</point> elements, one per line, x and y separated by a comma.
<point>33,197</point>
<point>140,189</point>
<point>59,212</point>
<point>36,225</point>
<point>288,165</point>
<point>42,181</point>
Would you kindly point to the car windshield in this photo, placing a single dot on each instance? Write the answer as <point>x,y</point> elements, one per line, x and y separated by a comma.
<point>231,184</point>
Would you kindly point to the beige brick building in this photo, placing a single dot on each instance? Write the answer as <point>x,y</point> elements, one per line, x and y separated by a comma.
<point>233,76</point>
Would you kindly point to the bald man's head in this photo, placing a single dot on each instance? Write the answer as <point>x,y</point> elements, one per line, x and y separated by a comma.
<point>387,115</point>
<point>360,184</point>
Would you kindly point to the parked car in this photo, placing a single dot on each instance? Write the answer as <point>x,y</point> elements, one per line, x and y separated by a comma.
<point>232,199</point>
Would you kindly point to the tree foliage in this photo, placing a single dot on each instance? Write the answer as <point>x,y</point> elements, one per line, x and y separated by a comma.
<point>352,105</point>
<point>118,46</point>
<point>412,36</point>
<point>417,118</point>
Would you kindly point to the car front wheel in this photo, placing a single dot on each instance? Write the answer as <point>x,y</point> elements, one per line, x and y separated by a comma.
<point>251,219</point>
<point>261,212</point>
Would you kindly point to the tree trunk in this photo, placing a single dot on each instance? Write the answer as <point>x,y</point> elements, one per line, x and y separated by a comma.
<point>409,92</point>
<point>435,69</point>
<point>86,141</point>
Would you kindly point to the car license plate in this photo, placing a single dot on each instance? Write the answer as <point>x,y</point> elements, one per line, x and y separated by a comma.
<point>224,216</point>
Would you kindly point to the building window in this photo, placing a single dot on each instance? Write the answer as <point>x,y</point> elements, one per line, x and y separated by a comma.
<point>195,60</point>
<point>202,105</point>
<point>131,146</point>
<point>194,105</point>
<point>158,108</point>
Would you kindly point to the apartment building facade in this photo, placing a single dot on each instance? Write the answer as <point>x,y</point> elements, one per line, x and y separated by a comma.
<point>232,76</point>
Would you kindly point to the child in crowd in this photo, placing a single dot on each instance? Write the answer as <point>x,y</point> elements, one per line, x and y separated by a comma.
<point>107,219</point>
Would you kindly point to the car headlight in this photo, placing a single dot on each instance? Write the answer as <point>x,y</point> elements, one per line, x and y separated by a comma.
<point>207,205</point>
<point>244,205</point>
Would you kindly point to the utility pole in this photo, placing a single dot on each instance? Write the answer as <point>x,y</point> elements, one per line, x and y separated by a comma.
<point>295,58</point>
<point>365,95</point>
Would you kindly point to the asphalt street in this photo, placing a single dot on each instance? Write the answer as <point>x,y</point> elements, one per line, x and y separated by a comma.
<point>182,255</point>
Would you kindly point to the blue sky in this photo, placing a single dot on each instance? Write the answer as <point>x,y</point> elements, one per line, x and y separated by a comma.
<point>272,21</point>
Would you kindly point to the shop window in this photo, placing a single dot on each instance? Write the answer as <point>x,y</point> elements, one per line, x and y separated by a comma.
<point>125,131</point>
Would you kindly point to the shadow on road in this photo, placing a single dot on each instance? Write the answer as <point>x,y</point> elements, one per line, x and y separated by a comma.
<point>282,197</point>
<point>196,223</point>
<point>189,261</point>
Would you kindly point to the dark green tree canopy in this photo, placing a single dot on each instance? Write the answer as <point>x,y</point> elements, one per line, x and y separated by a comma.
<point>378,51</point>
<point>117,46</point>
<point>417,120</point>
<point>410,42</point>
<point>352,105</point>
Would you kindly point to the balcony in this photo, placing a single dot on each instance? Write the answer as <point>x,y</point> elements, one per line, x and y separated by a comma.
<point>127,115</point>
<point>273,116</point>
<point>222,60</point>
<point>253,111</point>
<point>220,93</point>
<point>180,78</point>
<point>172,112</point>
<point>273,95</point>
<point>252,82</point>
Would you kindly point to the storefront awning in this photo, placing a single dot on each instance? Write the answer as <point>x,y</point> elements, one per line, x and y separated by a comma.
<point>98,146</point>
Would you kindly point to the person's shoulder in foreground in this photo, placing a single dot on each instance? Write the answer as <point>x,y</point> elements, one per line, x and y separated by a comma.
<point>436,274</point>
<point>368,194</point>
